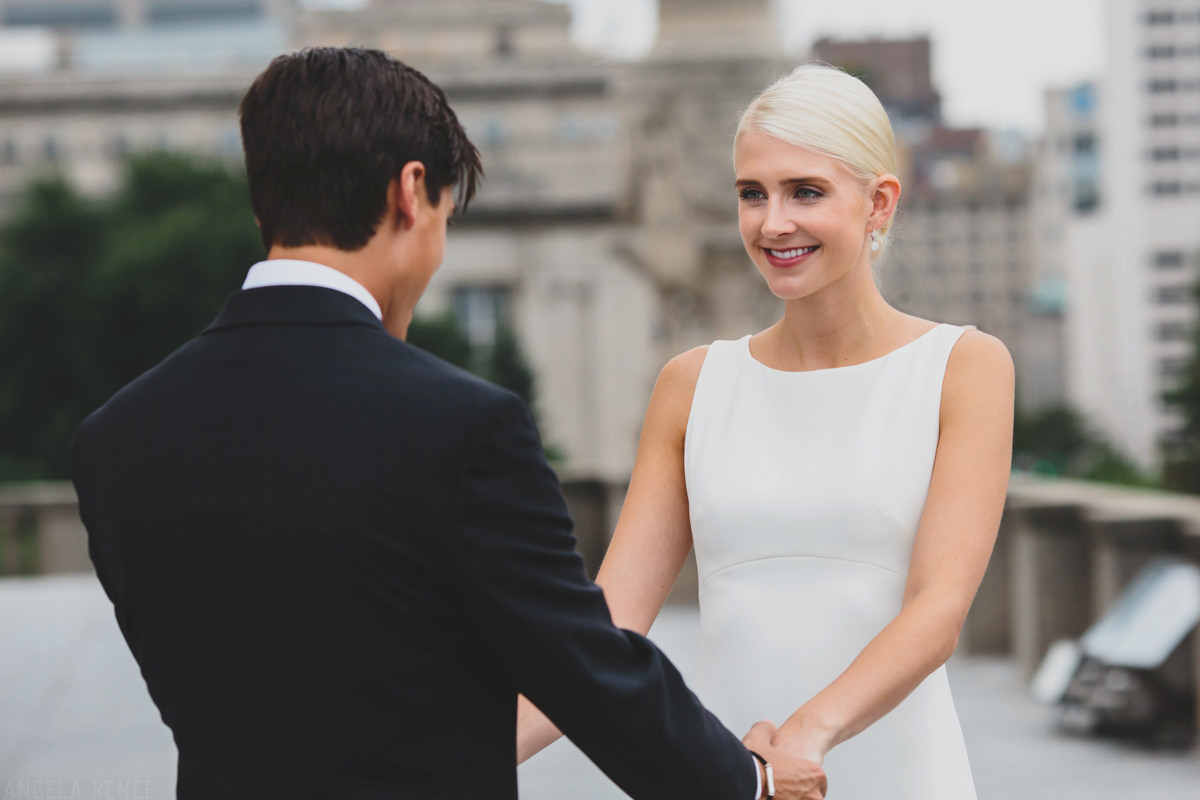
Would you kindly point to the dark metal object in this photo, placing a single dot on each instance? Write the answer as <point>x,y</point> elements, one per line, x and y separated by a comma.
<point>1131,674</point>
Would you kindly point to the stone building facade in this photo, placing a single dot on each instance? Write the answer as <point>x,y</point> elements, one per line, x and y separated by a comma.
<point>606,234</point>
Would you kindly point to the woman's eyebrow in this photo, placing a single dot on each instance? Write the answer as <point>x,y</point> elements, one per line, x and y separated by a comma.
<point>786,181</point>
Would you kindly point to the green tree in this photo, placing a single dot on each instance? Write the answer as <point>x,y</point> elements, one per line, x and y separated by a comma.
<point>503,363</point>
<point>442,336</point>
<point>47,254</point>
<point>93,293</point>
<point>1182,456</point>
<point>1058,442</point>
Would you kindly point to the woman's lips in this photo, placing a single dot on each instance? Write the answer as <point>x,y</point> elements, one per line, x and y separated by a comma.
<point>788,258</point>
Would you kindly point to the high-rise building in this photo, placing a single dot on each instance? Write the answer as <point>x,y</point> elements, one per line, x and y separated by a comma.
<point>899,71</point>
<point>1064,200</point>
<point>1131,274</point>
<point>961,243</point>
<point>960,248</point>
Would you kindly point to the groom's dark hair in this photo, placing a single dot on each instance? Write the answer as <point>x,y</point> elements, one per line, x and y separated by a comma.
<point>326,129</point>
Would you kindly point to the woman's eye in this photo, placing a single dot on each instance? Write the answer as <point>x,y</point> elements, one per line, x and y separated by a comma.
<point>750,194</point>
<point>806,193</point>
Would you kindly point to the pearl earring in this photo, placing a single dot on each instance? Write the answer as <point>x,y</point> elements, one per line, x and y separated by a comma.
<point>874,241</point>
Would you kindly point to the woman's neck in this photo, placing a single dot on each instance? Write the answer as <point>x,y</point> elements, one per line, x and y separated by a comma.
<point>845,323</point>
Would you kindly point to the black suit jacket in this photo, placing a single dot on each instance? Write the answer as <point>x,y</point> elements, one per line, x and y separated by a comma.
<point>337,560</point>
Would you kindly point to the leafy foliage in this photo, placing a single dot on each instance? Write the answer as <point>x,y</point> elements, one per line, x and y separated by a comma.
<point>1182,456</point>
<point>93,293</point>
<point>502,363</point>
<point>1058,442</point>
<point>442,336</point>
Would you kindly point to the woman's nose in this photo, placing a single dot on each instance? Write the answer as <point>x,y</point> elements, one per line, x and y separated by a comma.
<point>777,221</point>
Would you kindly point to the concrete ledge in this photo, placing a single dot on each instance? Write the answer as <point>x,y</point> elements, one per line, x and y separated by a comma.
<point>49,511</point>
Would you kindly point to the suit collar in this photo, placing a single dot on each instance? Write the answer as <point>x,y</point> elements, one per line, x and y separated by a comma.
<point>292,305</point>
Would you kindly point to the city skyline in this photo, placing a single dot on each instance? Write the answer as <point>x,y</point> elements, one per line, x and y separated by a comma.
<point>1065,47</point>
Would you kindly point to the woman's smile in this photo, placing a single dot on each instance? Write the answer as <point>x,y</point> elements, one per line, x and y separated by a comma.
<point>784,259</point>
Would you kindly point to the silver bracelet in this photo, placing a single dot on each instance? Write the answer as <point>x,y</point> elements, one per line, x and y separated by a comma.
<point>770,775</point>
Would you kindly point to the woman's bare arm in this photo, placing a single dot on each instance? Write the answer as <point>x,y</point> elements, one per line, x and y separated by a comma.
<point>953,544</point>
<point>653,534</point>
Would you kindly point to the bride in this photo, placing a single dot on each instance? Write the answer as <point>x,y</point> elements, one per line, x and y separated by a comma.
<point>841,474</point>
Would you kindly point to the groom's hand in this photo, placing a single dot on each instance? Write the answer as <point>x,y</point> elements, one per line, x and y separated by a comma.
<point>795,778</point>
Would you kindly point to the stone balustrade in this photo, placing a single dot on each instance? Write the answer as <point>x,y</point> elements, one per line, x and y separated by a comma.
<point>40,530</point>
<point>1066,549</point>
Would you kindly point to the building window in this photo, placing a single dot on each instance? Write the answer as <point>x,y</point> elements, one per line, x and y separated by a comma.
<point>1160,17</point>
<point>1172,367</point>
<point>1169,259</point>
<point>51,150</point>
<point>493,132</point>
<point>1162,85</point>
<point>504,42</point>
<point>9,154</point>
<point>43,14</point>
<point>1174,332</point>
<point>1166,188</point>
<point>1160,51</point>
<point>229,143</point>
<point>118,146</point>
<point>481,310</point>
<point>175,11</point>
<point>1175,295</point>
<point>1164,154</point>
<point>1164,120</point>
<point>1086,198</point>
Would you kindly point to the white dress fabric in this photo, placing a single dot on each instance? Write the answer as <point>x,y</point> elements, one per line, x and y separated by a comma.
<point>805,491</point>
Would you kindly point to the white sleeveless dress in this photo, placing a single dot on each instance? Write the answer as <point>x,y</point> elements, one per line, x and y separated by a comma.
<point>805,491</point>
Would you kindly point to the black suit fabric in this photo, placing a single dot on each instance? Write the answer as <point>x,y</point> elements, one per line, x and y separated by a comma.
<point>337,560</point>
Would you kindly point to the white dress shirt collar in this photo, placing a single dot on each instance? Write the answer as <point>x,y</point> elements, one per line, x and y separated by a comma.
<point>291,272</point>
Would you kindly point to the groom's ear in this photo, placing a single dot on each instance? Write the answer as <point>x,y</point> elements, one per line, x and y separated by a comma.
<point>404,193</point>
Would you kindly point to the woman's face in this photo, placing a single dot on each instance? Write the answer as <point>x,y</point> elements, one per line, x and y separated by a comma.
<point>805,218</point>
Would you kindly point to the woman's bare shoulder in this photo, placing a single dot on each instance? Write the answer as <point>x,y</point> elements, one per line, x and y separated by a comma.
<point>676,385</point>
<point>980,368</point>
<point>979,350</point>
<point>685,368</point>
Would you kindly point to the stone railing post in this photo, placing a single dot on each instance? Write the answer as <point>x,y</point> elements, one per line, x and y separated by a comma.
<point>1051,569</point>
<point>988,629</point>
<point>53,509</point>
<point>1121,547</point>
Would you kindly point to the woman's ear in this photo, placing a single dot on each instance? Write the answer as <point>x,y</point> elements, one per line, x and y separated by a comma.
<point>884,197</point>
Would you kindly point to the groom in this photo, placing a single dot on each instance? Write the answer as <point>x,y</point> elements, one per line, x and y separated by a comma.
<point>338,560</point>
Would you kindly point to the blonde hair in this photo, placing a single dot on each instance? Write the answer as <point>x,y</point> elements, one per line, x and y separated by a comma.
<point>828,111</point>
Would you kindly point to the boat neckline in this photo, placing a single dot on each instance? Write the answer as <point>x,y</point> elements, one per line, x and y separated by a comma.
<point>746,347</point>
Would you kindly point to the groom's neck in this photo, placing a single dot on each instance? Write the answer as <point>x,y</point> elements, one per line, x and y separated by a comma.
<point>392,287</point>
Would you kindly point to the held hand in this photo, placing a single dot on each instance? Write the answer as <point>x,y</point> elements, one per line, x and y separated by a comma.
<point>796,778</point>
<point>801,742</point>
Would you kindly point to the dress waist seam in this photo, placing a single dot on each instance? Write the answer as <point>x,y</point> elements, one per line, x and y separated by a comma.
<point>823,558</point>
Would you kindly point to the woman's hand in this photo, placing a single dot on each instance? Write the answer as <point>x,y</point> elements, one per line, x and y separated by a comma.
<point>803,741</point>
<point>796,777</point>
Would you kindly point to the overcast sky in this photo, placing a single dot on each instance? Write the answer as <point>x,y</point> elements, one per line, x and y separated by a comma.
<point>992,60</point>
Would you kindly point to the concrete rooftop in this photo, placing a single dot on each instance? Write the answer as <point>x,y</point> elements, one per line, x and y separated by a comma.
<point>76,721</point>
